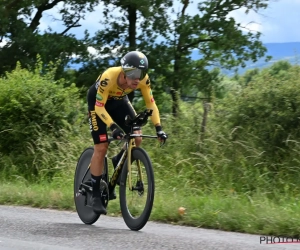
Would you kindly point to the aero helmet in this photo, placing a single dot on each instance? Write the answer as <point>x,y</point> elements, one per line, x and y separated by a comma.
<point>135,65</point>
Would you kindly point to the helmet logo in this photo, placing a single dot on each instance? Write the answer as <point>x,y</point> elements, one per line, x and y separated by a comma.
<point>142,61</point>
<point>141,55</point>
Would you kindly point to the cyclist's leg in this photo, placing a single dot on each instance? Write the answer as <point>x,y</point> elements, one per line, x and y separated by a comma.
<point>99,135</point>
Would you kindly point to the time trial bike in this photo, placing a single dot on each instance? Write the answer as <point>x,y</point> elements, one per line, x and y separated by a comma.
<point>134,174</point>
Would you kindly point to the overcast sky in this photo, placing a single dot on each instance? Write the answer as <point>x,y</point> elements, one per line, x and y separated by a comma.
<point>278,23</point>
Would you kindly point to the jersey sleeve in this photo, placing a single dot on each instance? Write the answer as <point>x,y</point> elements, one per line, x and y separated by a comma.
<point>146,91</point>
<point>103,85</point>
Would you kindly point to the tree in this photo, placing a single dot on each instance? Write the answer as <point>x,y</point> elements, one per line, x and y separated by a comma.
<point>20,20</point>
<point>248,76</point>
<point>220,40</point>
<point>140,22</point>
<point>169,39</point>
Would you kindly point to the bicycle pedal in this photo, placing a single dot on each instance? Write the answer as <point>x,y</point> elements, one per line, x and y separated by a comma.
<point>81,192</point>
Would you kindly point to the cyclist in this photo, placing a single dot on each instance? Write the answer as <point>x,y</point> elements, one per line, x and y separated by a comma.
<point>108,105</point>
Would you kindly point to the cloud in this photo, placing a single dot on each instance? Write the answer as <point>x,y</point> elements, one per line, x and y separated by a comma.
<point>250,21</point>
<point>50,19</point>
<point>91,23</point>
<point>2,44</point>
<point>277,23</point>
<point>282,19</point>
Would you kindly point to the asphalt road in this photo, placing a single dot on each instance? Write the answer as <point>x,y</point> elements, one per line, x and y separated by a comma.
<point>28,228</point>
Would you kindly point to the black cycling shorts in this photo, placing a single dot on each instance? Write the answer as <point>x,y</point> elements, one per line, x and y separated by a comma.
<point>117,109</point>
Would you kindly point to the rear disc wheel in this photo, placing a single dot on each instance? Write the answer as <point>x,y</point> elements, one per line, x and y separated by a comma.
<point>82,197</point>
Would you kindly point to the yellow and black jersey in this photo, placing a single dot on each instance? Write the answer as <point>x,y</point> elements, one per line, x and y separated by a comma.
<point>108,89</point>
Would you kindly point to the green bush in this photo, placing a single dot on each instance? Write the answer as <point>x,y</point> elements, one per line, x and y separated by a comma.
<point>31,103</point>
<point>267,108</point>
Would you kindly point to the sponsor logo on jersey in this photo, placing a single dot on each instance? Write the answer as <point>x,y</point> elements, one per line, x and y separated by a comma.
<point>115,97</point>
<point>93,121</point>
<point>102,83</point>
<point>102,137</point>
<point>99,104</point>
<point>103,116</point>
<point>97,84</point>
<point>99,97</point>
<point>152,99</point>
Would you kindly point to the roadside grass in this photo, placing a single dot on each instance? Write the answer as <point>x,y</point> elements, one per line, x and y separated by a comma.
<point>223,184</point>
<point>216,210</point>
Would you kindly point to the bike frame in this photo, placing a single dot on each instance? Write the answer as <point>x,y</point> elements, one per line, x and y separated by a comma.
<point>129,145</point>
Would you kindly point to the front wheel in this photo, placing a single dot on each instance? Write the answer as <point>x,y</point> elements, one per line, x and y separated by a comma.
<point>136,204</point>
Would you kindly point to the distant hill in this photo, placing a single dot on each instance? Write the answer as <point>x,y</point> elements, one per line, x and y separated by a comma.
<point>278,51</point>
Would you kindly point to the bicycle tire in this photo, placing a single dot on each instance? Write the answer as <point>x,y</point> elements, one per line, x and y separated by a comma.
<point>82,202</point>
<point>136,224</point>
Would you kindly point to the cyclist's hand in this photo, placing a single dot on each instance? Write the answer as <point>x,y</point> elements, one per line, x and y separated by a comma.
<point>117,132</point>
<point>161,135</point>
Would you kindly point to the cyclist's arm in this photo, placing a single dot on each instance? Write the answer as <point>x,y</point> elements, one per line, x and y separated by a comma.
<point>149,100</point>
<point>104,85</point>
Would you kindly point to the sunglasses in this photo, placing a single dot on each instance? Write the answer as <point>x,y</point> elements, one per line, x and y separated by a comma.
<point>135,73</point>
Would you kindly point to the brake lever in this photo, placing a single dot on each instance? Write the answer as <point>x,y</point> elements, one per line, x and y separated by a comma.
<point>164,140</point>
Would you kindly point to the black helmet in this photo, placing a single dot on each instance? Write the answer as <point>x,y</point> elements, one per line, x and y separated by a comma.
<point>135,64</point>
